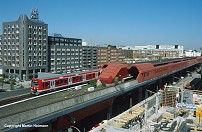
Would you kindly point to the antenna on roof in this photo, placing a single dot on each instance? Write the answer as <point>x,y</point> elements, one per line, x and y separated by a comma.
<point>35,12</point>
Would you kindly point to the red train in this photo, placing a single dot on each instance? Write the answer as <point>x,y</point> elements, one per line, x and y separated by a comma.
<point>39,85</point>
<point>143,71</point>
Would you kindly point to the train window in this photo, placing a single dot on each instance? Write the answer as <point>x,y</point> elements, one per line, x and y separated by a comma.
<point>45,84</point>
<point>61,81</point>
<point>73,79</point>
<point>93,75</point>
<point>56,82</point>
<point>34,83</point>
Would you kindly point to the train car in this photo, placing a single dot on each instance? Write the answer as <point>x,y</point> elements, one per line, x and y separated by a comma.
<point>44,84</point>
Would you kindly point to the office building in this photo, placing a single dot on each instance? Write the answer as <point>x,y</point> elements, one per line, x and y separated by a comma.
<point>89,57</point>
<point>1,50</point>
<point>108,54</point>
<point>65,54</point>
<point>24,47</point>
<point>128,53</point>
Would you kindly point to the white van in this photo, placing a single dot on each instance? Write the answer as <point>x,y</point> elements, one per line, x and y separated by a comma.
<point>91,89</point>
<point>78,87</point>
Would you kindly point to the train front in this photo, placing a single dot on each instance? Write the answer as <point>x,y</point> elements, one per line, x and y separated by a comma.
<point>35,86</point>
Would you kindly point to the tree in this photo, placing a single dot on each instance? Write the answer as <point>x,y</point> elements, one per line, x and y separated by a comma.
<point>116,80</point>
<point>12,83</point>
<point>21,86</point>
<point>1,82</point>
<point>93,82</point>
<point>104,84</point>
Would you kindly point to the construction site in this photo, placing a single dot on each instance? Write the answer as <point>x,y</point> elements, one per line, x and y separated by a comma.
<point>171,109</point>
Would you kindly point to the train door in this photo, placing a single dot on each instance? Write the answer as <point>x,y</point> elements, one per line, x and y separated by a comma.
<point>96,75</point>
<point>52,84</point>
<point>70,80</point>
<point>84,77</point>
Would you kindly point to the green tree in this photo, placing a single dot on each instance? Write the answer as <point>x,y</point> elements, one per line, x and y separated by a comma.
<point>93,82</point>
<point>104,84</point>
<point>116,80</point>
<point>21,86</point>
<point>1,82</point>
<point>12,82</point>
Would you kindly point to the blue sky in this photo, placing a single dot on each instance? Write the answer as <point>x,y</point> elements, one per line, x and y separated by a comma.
<point>117,22</point>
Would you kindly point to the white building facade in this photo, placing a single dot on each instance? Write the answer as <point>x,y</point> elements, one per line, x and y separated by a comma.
<point>165,51</point>
<point>192,53</point>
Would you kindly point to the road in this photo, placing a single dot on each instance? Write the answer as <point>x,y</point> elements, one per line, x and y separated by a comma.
<point>7,87</point>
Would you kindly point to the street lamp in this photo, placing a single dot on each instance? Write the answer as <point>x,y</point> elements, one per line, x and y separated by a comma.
<point>71,130</point>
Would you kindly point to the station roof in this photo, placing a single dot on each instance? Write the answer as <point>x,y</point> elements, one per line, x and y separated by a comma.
<point>111,71</point>
<point>142,66</point>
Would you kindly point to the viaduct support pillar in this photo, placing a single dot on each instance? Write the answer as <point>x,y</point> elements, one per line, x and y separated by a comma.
<point>140,94</point>
<point>159,83</point>
<point>109,113</point>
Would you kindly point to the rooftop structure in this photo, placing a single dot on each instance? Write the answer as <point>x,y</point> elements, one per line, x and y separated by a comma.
<point>34,14</point>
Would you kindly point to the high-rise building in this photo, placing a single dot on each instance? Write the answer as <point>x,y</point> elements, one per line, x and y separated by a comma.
<point>128,54</point>
<point>1,50</point>
<point>65,54</point>
<point>25,47</point>
<point>89,57</point>
<point>109,54</point>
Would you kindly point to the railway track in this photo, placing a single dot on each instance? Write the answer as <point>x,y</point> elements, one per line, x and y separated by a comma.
<point>15,99</point>
<point>26,97</point>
